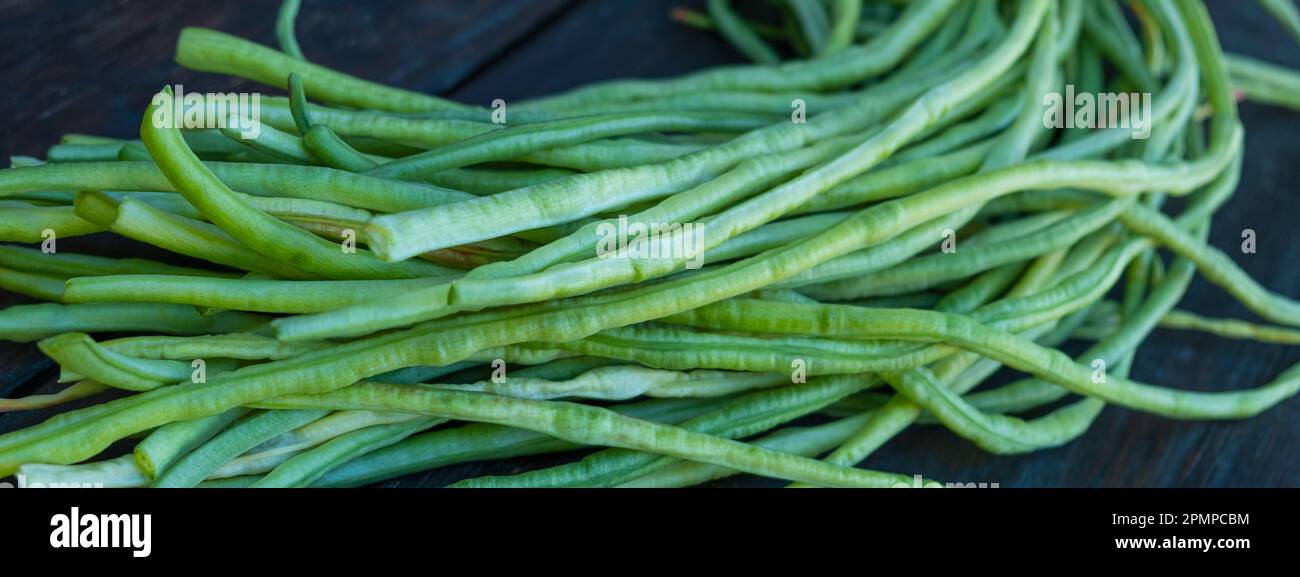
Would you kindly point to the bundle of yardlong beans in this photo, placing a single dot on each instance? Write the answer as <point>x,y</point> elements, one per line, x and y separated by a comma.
<point>381,282</point>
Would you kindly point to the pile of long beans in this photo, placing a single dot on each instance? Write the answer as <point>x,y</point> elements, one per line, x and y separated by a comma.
<point>382,282</point>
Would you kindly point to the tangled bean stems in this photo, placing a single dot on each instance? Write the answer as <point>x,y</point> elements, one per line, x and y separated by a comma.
<point>392,282</point>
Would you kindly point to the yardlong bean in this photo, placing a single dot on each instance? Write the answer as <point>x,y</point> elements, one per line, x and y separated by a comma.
<point>1229,328</point>
<point>875,224</point>
<point>212,51</point>
<point>139,221</point>
<point>582,423</point>
<point>78,390</point>
<point>743,417</point>
<point>256,295</point>
<point>901,164</point>
<point>276,240</point>
<point>26,323</point>
<point>620,383</point>
<point>516,141</point>
<point>739,34</point>
<point>304,469</point>
<point>481,441</point>
<point>1044,363</point>
<point>81,265</point>
<point>842,69</point>
<point>308,182</point>
<point>926,112</point>
<point>1265,82</point>
<point>571,198</point>
<point>284,28</point>
<point>252,429</point>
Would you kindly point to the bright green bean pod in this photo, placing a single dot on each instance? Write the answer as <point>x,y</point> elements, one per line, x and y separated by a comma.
<point>899,180</point>
<point>322,143</point>
<point>280,146</point>
<point>211,51</point>
<point>1056,289</point>
<point>627,382</point>
<point>40,223</point>
<point>1264,82</point>
<point>169,443</point>
<point>110,474</point>
<point>744,39</point>
<point>255,295</point>
<point>584,424</point>
<point>844,15</point>
<point>78,353</point>
<point>78,390</point>
<point>63,153</point>
<point>284,28</point>
<point>683,350</point>
<point>997,433</point>
<point>274,452</point>
<point>483,441</point>
<point>139,221</point>
<point>79,265</point>
<point>570,199</point>
<point>992,121</point>
<point>746,179</point>
<point>743,417</point>
<point>26,323</point>
<point>773,235</point>
<point>274,239</point>
<point>230,346</point>
<point>805,441</point>
<point>486,181</point>
<point>306,468</point>
<point>926,112</point>
<point>307,182</point>
<point>1046,364</point>
<point>1229,328</point>
<point>813,23</point>
<point>843,69</point>
<point>35,285</point>
<point>929,271</point>
<point>182,437</point>
<point>241,436</point>
<point>1120,48</point>
<point>515,141</point>
<point>1122,178</point>
<point>1214,265</point>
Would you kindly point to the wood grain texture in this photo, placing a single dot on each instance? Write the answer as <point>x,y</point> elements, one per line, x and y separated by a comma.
<point>89,66</point>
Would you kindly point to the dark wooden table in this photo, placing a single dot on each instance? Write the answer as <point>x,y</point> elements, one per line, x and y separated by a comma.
<point>89,66</point>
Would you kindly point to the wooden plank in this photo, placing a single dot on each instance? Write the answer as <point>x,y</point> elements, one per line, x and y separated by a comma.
<point>91,66</point>
<point>600,40</point>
